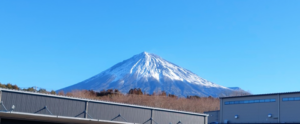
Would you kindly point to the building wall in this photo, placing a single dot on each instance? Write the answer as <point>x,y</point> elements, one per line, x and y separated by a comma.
<point>213,116</point>
<point>282,111</point>
<point>250,112</point>
<point>289,110</point>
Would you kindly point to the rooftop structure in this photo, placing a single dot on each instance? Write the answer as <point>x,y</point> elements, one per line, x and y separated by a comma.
<point>45,106</point>
<point>260,108</point>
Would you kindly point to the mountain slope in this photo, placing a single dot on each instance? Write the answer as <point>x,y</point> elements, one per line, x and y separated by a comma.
<point>151,73</point>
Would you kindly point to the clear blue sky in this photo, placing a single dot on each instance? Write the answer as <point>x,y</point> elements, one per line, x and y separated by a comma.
<point>252,44</point>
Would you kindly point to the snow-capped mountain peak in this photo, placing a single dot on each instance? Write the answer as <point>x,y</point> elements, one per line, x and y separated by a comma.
<point>146,65</point>
<point>151,73</point>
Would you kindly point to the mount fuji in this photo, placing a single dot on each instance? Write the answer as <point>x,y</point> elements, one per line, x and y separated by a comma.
<point>151,73</point>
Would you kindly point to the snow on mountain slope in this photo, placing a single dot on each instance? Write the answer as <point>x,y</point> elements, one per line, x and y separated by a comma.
<point>151,73</point>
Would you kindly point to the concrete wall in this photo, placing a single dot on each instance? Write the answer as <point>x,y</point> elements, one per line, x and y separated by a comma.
<point>214,116</point>
<point>83,108</point>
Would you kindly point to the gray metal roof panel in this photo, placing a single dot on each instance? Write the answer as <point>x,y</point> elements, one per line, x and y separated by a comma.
<point>105,102</point>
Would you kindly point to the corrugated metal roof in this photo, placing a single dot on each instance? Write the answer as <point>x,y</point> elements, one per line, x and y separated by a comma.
<point>261,94</point>
<point>105,102</point>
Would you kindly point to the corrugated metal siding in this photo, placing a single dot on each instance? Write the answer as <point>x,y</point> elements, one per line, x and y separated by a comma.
<point>108,112</point>
<point>36,103</point>
<point>163,117</point>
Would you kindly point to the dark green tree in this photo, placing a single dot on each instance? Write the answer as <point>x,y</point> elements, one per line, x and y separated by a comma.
<point>31,89</point>
<point>52,92</point>
<point>9,86</point>
<point>41,90</point>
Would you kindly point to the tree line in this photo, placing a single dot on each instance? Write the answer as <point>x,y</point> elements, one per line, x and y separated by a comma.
<point>31,89</point>
<point>138,97</point>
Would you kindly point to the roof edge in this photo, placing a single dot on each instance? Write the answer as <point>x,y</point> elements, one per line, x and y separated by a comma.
<point>260,94</point>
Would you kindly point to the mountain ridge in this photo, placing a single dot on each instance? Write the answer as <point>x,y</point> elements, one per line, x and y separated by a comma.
<point>151,73</point>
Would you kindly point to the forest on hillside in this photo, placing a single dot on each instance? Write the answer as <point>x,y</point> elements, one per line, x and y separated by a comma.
<point>136,96</point>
